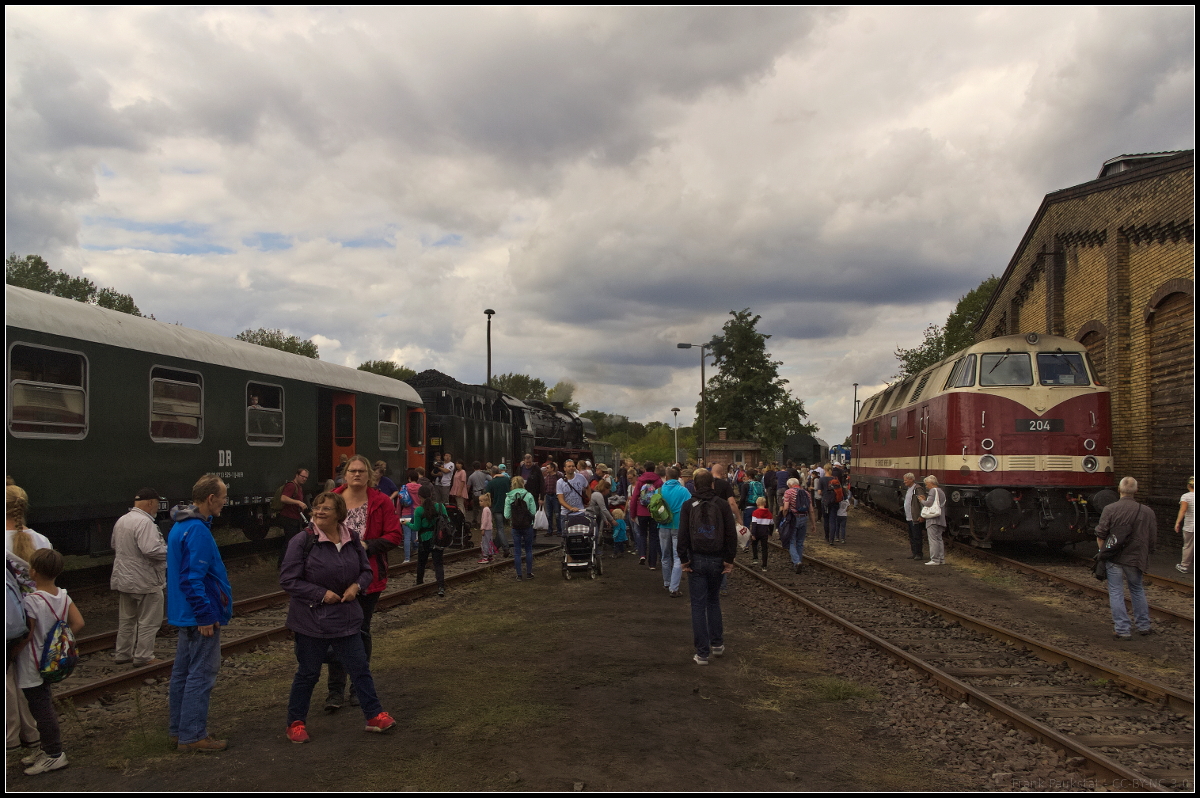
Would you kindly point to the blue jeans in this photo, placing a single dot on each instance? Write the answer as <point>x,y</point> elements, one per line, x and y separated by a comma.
<point>1118,575</point>
<point>350,654</point>
<point>796,546</point>
<point>672,569</point>
<point>552,509</point>
<point>704,587</point>
<point>523,539</point>
<point>642,528</point>
<point>193,676</point>
<point>839,527</point>
<point>410,538</point>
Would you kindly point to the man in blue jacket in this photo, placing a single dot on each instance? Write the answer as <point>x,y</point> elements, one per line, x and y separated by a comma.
<point>199,603</point>
<point>674,494</point>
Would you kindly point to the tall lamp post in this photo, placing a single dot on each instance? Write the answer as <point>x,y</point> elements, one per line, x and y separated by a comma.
<point>703,401</point>
<point>675,410</point>
<point>489,313</point>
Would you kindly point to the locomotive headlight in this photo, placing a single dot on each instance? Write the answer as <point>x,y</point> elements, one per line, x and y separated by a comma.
<point>956,496</point>
<point>1089,444</point>
<point>1090,464</point>
<point>987,463</point>
<point>987,444</point>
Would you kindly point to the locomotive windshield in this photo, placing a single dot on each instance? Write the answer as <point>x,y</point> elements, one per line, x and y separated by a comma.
<point>1005,368</point>
<point>1061,368</point>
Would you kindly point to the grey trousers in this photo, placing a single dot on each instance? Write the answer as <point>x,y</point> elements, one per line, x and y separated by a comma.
<point>141,616</point>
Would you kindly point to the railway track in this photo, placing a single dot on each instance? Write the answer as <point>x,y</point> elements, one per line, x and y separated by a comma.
<point>257,620</point>
<point>1126,731</point>
<point>1087,584</point>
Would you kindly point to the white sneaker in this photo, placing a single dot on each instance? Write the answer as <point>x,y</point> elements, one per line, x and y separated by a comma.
<point>1181,569</point>
<point>46,763</point>
<point>718,651</point>
<point>931,562</point>
<point>31,758</point>
<point>699,660</point>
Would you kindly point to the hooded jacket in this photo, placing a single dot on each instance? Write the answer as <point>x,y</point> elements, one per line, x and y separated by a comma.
<point>198,591</point>
<point>645,478</point>
<point>675,495</point>
<point>325,568</point>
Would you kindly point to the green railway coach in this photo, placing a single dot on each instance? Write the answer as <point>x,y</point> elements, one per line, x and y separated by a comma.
<point>101,403</point>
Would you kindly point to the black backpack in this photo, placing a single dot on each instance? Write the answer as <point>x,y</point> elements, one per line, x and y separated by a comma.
<point>707,526</point>
<point>443,530</point>
<point>521,517</point>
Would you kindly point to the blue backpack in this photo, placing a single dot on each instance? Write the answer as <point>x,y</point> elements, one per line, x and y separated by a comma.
<point>754,491</point>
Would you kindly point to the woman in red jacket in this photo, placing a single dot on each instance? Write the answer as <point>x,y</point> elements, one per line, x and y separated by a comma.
<point>372,516</point>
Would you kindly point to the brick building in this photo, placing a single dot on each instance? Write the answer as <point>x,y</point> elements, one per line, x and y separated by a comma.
<point>1111,264</point>
<point>729,452</point>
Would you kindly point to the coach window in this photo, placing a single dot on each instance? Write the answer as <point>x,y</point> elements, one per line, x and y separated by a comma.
<point>389,427</point>
<point>910,423</point>
<point>416,429</point>
<point>176,406</point>
<point>1005,368</point>
<point>264,414</point>
<point>1061,368</point>
<point>47,393</point>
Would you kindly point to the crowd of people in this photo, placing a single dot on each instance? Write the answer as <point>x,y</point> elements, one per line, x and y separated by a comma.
<point>680,519</point>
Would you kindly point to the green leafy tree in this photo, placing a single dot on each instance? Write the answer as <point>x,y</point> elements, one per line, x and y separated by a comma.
<point>563,391</point>
<point>276,339</point>
<point>747,395</point>
<point>522,386</point>
<point>387,368</point>
<point>943,341</point>
<point>34,273</point>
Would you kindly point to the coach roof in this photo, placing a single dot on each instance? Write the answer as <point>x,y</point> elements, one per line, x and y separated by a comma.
<point>31,310</point>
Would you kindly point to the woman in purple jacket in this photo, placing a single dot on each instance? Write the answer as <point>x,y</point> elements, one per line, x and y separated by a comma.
<point>324,570</point>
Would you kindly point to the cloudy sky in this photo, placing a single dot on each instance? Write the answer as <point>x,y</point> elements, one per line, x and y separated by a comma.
<point>611,181</point>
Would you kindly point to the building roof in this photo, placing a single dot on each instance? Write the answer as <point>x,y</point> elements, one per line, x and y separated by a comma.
<point>1123,163</point>
<point>1150,168</point>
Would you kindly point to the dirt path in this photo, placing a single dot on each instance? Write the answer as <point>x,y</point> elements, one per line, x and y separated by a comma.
<point>538,685</point>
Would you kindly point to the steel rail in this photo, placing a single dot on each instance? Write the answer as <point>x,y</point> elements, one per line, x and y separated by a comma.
<point>1143,689</point>
<point>1157,612</point>
<point>92,691</point>
<point>1114,773</point>
<point>102,641</point>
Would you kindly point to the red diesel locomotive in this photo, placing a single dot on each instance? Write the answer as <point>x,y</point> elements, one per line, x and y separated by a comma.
<point>1016,429</point>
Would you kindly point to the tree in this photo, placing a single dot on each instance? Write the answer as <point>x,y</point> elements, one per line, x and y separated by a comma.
<point>275,339</point>
<point>563,391</point>
<point>522,386</point>
<point>747,395</point>
<point>957,334</point>
<point>388,368</point>
<point>34,273</point>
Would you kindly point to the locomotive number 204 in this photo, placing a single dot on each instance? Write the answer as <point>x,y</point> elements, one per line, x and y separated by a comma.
<point>1039,425</point>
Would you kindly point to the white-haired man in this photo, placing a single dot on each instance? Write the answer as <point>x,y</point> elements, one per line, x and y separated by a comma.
<point>1126,535</point>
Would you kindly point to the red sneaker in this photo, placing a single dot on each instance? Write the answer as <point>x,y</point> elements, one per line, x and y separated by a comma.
<point>381,723</point>
<point>297,733</point>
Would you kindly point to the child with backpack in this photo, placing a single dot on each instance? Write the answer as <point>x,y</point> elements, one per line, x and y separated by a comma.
<point>49,656</point>
<point>487,545</point>
<point>426,522</point>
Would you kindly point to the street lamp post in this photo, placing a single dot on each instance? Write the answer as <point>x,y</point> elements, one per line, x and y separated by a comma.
<point>703,401</point>
<point>675,410</point>
<point>489,313</point>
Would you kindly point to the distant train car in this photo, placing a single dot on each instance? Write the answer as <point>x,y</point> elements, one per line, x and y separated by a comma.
<point>471,422</point>
<point>805,449</point>
<point>102,403</point>
<point>560,434</point>
<point>1016,429</point>
<point>840,453</point>
<point>604,452</point>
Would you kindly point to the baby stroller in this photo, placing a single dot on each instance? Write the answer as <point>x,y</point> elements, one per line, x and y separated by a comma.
<point>581,544</point>
<point>462,529</point>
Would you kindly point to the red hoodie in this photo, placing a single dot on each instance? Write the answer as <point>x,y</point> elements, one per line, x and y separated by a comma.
<point>381,523</point>
<point>647,478</point>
